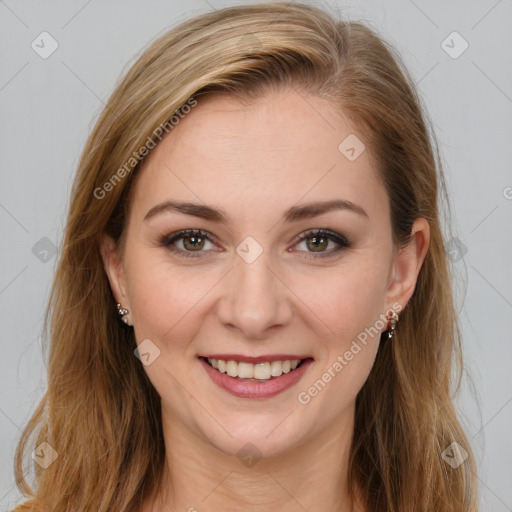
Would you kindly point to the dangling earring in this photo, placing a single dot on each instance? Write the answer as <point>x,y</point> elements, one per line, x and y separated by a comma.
<point>122,312</point>
<point>392,321</point>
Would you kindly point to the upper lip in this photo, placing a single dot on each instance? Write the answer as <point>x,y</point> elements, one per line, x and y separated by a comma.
<point>255,359</point>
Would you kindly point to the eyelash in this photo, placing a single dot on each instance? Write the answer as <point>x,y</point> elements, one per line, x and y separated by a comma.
<point>342,241</point>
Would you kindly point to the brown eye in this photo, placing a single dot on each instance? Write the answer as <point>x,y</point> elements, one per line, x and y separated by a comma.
<point>187,243</point>
<point>317,243</point>
<point>193,242</point>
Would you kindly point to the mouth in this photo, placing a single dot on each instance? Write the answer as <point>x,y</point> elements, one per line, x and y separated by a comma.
<point>264,378</point>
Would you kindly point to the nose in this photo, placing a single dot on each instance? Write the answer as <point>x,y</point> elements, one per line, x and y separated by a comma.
<point>255,299</point>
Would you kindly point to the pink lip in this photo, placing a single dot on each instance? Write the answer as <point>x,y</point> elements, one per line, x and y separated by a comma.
<point>255,360</point>
<point>256,390</point>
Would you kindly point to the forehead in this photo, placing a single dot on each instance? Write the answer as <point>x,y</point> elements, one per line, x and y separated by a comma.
<point>282,149</point>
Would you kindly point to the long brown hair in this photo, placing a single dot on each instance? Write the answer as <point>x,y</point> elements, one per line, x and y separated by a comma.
<point>100,412</point>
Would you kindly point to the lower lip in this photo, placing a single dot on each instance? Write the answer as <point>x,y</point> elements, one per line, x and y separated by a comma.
<point>256,390</point>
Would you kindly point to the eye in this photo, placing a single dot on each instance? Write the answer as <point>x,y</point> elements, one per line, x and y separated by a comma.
<point>191,241</point>
<point>318,240</point>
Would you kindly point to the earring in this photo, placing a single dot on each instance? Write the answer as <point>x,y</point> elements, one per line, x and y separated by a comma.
<point>122,312</point>
<point>392,321</point>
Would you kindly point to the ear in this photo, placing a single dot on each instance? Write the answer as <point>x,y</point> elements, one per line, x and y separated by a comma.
<point>407,264</point>
<point>114,269</point>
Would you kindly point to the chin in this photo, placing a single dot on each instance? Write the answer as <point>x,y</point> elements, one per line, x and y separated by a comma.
<point>263,435</point>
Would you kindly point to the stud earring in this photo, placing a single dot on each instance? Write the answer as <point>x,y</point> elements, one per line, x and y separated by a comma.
<point>392,321</point>
<point>122,313</point>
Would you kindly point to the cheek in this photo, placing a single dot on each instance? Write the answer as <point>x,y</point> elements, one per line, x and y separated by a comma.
<point>164,297</point>
<point>348,356</point>
<point>350,302</point>
<point>347,299</point>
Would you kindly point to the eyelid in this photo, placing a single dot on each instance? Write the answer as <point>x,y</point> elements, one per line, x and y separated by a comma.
<point>332,235</point>
<point>182,233</point>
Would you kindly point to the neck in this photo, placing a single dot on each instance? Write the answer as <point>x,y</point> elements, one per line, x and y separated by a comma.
<point>198,477</point>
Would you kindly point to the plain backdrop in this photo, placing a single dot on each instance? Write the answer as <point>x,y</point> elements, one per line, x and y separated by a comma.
<point>49,105</point>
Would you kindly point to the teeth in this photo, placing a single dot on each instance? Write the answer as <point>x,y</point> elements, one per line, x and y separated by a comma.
<point>276,368</point>
<point>243,370</point>
<point>232,368</point>
<point>260,371</point>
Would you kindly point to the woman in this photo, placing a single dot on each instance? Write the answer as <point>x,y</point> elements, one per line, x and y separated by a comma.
<point>258,205</point>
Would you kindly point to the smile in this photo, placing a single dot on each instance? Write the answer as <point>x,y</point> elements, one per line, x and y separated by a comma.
<point>262,379</point>
<point>259,371</point>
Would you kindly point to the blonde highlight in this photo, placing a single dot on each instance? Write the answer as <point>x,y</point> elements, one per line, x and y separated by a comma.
<point>99,394</point>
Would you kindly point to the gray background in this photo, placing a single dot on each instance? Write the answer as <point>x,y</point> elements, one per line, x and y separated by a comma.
<point>48,106</point>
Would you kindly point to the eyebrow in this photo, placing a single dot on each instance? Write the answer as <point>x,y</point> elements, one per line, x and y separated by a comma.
<point>294,214</point>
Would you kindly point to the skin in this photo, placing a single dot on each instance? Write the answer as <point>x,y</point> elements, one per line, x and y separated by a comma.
<point>254,162</point>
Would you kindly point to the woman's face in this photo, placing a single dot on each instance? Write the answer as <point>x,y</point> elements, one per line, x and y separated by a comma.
<point>254,291</point>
